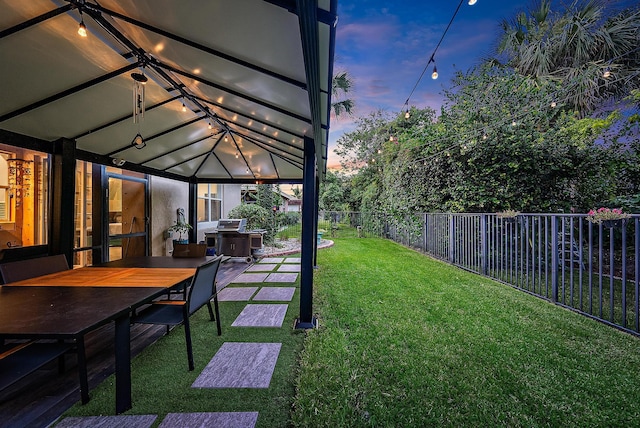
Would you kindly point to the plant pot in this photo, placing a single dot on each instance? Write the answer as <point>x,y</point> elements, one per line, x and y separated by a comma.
<point>319,238</point>
<point>180,241</point>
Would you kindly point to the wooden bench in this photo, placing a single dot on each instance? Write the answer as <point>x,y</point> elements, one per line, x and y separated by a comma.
<point>18,360</point>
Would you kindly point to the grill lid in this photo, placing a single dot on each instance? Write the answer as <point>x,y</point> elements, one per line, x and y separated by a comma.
<point>232,224</point>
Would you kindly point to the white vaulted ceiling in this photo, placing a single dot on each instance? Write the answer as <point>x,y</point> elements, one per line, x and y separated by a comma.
<point>257,71</point>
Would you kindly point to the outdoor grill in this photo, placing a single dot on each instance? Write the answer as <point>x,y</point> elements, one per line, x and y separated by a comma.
<point>232,240</point>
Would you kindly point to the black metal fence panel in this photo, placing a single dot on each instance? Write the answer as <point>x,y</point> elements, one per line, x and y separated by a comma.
<point>591,268</point>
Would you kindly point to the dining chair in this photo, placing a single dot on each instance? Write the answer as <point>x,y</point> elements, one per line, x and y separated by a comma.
<point>189,250</point>
<point>175,312</point>
<point>30,268</point>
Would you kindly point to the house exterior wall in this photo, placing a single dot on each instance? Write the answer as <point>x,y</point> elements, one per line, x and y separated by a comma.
<point>166,197</point>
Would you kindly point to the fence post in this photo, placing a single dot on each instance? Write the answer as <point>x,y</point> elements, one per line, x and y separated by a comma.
<point>554,258</point>
<point>484,244</point>
<point>424,232</point>
<point>452,239</point>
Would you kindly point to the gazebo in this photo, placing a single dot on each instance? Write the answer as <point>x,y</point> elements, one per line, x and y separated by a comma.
<point>199,92</point>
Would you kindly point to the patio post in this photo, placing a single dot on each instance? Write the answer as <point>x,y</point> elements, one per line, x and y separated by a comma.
<point>63,198</point>
<point>306,319</point>
<point>193,211</point>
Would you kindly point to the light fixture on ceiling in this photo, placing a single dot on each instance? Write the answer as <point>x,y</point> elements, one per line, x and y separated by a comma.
<point>472,2</point>
<point>434,75</point>
<point>138,141</point>
<point>140,78</point>
<point>118,161</point>
<point>82,29</point>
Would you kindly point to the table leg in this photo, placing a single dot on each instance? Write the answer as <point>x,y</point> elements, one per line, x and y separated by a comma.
<point>82,369</point>
<point>123,364</point>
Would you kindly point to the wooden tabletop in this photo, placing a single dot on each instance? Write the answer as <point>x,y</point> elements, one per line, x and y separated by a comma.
<point>112,277</point>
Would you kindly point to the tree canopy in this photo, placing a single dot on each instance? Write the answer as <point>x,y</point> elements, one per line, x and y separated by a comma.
<point>549,124</point>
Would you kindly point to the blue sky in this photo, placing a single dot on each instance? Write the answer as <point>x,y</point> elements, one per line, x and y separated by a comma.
<point>385,45</point>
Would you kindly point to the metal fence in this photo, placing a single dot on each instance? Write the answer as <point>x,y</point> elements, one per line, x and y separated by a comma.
<point>593,269</point>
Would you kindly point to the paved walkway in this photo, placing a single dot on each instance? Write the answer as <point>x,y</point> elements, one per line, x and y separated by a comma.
<point>236,364</point>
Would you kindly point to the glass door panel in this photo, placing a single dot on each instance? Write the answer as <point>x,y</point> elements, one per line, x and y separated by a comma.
<point>127,217</point>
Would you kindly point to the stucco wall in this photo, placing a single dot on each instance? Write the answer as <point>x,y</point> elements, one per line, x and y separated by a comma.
<point>166,197</point>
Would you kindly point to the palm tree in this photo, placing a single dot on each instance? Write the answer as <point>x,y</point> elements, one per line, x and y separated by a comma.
<point>341,85</point>
<point>591,53</point>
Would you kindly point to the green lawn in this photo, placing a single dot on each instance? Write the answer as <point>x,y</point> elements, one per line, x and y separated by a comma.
<point>406,341</point>
<point>409,341</point>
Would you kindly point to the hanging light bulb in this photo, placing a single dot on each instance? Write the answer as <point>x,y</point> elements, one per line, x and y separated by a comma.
<point>472,2</point>
<point>226,138</point>
<point>434,75</point>
<point>82,29</point>
<point>553,104</point>
<point>184,108</point>
<point>209,125</point>
<point>407,115</point>
<point>607,73</point>
<point>237,154</point>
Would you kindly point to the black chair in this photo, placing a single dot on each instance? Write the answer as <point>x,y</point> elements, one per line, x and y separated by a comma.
<point>175,312</point>
<point>30,268</point>
<point>189,250</point>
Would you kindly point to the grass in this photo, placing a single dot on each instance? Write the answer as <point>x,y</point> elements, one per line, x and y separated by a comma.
<point>405,340</point>
<point>409,341</point>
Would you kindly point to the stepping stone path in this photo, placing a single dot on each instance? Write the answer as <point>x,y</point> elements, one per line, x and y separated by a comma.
<point>236,364</point>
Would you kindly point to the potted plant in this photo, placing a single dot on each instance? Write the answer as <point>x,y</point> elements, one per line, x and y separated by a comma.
<point>181,227</point>
<point>509,216</point>
<point>608,217</point>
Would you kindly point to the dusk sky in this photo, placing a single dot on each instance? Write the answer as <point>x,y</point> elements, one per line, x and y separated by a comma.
<point>385,46</point>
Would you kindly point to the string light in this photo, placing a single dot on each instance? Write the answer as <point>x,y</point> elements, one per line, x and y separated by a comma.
<point>497,124</point>
<point>434,75</point>
<point>184,108</point>
<point>82,29</point>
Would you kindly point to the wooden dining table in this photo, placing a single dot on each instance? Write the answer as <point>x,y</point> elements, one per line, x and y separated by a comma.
<point>69,304</point>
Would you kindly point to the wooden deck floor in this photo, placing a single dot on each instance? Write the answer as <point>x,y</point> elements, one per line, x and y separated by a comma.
<point>39,399</point>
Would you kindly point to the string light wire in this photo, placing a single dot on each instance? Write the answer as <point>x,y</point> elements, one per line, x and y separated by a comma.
<point>433,54</point>
<point>486,129</point>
